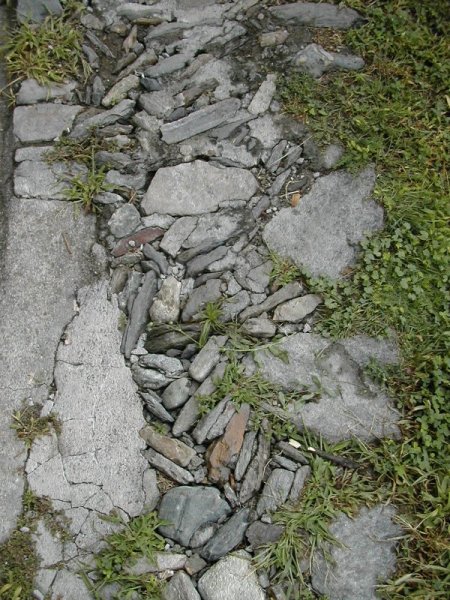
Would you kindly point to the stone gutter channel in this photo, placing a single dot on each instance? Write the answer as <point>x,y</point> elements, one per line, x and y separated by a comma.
<point>101,315</point>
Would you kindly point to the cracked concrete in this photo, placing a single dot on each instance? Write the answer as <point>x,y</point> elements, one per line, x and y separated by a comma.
<point>94,465</point>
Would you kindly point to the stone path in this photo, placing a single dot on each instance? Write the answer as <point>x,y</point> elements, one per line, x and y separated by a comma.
<point>201,183</point>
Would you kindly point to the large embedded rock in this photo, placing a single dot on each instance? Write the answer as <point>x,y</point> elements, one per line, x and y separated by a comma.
<point>232,577</point>
<point>43,122</point>
<point>321,234</point>
<point>317,15</point>
<point>316,61</point>
<point>349,404</point>
<point>369,539</point>
<point>196,188</point>
<point>37,10</point>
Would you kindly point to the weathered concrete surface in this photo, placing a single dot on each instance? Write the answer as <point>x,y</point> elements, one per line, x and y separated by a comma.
<point>364,556</point>
<point>321,234</point>
<point>45,260</point>
<point>349,403</point>
<point>94,465</point>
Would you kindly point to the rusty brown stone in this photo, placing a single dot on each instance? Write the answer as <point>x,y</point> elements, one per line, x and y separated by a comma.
<point>223,453</point>
<point>174,450</point>
<point>143,236</point>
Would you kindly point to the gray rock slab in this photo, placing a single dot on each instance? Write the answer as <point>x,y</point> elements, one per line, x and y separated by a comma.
<point>170,366</point>
<point>369,539</point>
<point>157,104</point>
<point>259,327</point>
<point>321,234</point>
<point>120,90</point>
<point>255,472</point>
<point>177,393</point>
<point>38,179</point>
<point>95,463</point>
<point>232,577</point>
<point>187,417</point>
<point>188,509</point>
<point>317,15</point>
<point>260,534</point>
<point>297,309</point>
<point>174,450</point>
<point>155,407</point>
<point>207,358</point>
<point>209,292</point>
<point>124,221</point>
<point>316,61</point>
<point>276,491</point>
<point>196,188</point>
<point>176,235</point>
<point>350,404</point>
<point>37,10</point>
<point>139,313</point>
<point>31,92</point>
<point>233,306</point>
<point>289,291</point>
<point>228,536</point>
<point>43,122</point>
<point>180,587</point>
<point>37,291</point>
<point>168,467</point>
<point>161,561</point>
<point>150,379</point>
<point>200,433</point>
<point>199,121</point>
<point>261,100</point>
<point>245,455</point>
<point>123,110</point>
<point>301,477</point>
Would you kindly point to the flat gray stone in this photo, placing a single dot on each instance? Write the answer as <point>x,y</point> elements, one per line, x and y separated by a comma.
<point>255,472</point>
<point>139,313</point>
<point>259,327</point>
<point>316,61</point>
<point>150,379</point>
<point>176,235</point>
<point>233,306</point>
<point>168,65</point>
<point>170,366</point>
<point>321,234</point>
<point>187,417</point>
<point>317,15</point>
<point>174,450</point>
<point>37,292</point>
<point>37,10</point>
<point>275,491</point>
<point>31,92</point>
<point>161,561</point>
<point>123,110</point>
<point>289,291</point>
<point>177,393</point>
<point>297,309</point>
<point>368,539</point>
<point>232,577</point>
<point>200,297</point>
<point>180,587</point>
<point>196,188</point>
<point>228,536</point>
<point>260,534</point>
<point>301,477</point>
<point>261,100</point>
<point>124,221</point>
<point>207,358</point>
<point>350,404</point>
<point>120,90</point>
<point>155,407</point>
<point>200,121</point>
<point>168,467</point>
<point>245,456</point>
<point>189,508</point>
<point>157,104</point>
<point>43,122</point>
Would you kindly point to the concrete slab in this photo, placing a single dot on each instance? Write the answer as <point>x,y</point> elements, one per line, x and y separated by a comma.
<point>45,260</point>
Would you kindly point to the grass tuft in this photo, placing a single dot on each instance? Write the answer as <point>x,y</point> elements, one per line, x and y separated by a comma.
<point>29,425</point>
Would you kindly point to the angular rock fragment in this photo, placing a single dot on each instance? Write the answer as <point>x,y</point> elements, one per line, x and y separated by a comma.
<point>316,61</point>
<point>166,305</point>
<point>180,587</point>
<point>31,92</point>
<point>210,292</point>
<point>291,290</point>
<point>297,309</point>
<point>337,210</point>
<point>167,467</point>
<point>200,121</point>
<point>174,450</point>
<point>260,534</point>
<point>43,122</point>
<point>301,477</point>
<point>275,491</point>
<point>261,100</point>
<point>187,417</point>
<point>120,90</point>
<point>138,316</point>
<point>232,577</point>
<point>134,241</point>
<point>189,508</point>
<point>228,536</point>
<point>154,406</point>
<point>123,110</point>
<point>207,358</point>
<point>124,221</point>
<point>245,456</point>
<point>317,15</point>
<point>195,188</point>
<point>255,472</point>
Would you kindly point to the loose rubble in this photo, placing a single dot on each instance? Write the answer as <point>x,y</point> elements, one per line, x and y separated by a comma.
<point>199,186</point>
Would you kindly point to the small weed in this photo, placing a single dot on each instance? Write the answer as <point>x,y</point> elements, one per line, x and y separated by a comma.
<point>83,190</point>
<point>50,52</point>
<point>211,322</point>
<point>137,539</point>
<point>29,425</point>
<point>283,271</point>
<point>79,150</point>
